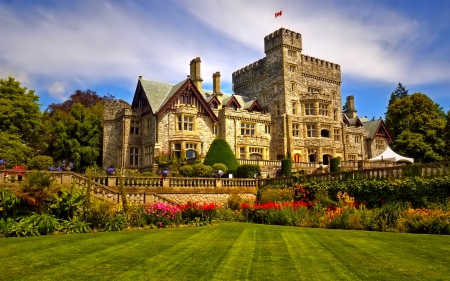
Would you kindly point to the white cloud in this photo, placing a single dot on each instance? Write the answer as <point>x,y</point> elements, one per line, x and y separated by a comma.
<point>57,90</point>
<point>58,49</point>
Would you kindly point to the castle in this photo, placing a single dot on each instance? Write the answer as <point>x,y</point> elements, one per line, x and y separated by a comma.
<point>286,102</point>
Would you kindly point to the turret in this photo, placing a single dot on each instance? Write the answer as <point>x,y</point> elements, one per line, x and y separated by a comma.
<point>283,37</point>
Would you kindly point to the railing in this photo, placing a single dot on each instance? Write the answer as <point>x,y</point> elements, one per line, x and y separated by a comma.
<point>395,172</point>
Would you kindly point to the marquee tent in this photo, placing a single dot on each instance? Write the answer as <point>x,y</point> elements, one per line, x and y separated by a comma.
<point>390,156</point>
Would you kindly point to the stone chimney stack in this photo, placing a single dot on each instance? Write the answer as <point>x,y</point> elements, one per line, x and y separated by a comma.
<point>195,73</point>
<point>216,88</point>
<point>350,104</point>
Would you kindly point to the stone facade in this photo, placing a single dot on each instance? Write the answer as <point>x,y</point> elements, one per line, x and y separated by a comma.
<point>286,102</point>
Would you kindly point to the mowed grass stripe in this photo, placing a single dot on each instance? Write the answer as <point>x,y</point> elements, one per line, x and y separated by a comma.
<point>313,262</point>
<point>228,251</point>
<point>196,256</point>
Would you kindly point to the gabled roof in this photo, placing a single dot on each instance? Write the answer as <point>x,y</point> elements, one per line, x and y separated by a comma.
<point>172,92</point>
<point>154,91</point>
<point>376,128</point>
<point>232,100</point>
<point>180,88</point>
<point>252,105</point>
<point>355,122</point>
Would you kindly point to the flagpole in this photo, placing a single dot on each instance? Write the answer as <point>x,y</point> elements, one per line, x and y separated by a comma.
<point>282,17</point>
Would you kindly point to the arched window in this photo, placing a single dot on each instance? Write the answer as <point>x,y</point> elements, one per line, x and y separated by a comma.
<point>297,157</point>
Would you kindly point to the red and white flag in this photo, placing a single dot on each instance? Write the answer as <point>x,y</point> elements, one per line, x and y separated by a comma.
<point>278,14</point>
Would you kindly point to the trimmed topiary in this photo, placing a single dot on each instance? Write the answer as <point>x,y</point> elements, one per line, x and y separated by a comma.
<point>286,167</point>
<point>334,164</point>
<point>247,171</point>
<point>220,152</point>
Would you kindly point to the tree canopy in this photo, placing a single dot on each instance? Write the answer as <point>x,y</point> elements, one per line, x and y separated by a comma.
<point>86,98</point>
<point>417,126</point>
<point>21,125</point>
<point>399,93</point>
<point>77,135</point>
<point>20,112</point>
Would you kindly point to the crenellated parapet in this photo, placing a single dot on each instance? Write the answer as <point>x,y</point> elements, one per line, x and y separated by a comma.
<point>283,37</point>
<point>320,69</point>
<point>249,73</point>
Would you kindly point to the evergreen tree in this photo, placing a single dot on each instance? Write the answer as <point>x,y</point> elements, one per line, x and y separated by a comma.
<point>447,136</point>
<point>220,152</point>
<point>399,93</point>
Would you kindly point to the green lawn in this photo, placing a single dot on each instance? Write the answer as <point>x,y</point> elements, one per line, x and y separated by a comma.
<point>227,251</point>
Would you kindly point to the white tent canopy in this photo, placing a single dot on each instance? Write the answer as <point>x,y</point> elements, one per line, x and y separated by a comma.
<point>390,156</point>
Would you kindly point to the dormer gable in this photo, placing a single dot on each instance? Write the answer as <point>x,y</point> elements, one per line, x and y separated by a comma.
<point>186,94</point>
<point>255,106</point>
<point>233,103</point>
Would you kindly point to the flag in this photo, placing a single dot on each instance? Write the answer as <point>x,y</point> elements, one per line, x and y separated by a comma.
<point>278,14</point>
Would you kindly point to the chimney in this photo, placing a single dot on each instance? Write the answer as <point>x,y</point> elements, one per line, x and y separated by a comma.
<point>195,73</point>
<point>350,104</point>
<point>216,87</point>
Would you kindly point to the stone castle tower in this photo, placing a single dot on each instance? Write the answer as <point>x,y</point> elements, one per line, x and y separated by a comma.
<point>303,95</point>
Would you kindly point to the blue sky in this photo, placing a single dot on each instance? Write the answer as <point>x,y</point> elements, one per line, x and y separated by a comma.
<point>56,47</point>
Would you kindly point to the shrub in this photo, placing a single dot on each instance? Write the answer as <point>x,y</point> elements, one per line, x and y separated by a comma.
<point>186,171</point>
<point>74,226</point>
<point>9,202</point>
<point>41,162</point>
<point>44,223</point>
<point>149,174</point>
<point>247,171</point>
<point>220,152</point>
<point>117,223</point>
<point>202,170</point>
<point>286,167</point>
<point>334,164</point>
<point>234,201</point>
<point>97,212</point>
<point>220,166</point>
<point>276,195</point>
<point>227,214</point>
<point>23,227</point>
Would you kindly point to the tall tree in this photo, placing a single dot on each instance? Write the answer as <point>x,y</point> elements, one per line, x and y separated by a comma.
<point>447,136</point>
<point>78,135</point>
<point>20,112</point>
<point>399,93</point>
<point>20,122</point>
<point>417,126</point>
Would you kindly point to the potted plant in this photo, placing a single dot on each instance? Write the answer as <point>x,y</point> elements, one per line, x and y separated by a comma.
<point>111,171</point>
<point>2,164</point>
<point>66,165</point>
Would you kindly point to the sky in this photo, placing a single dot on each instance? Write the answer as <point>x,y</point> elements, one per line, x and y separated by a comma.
<point>56,47</point>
